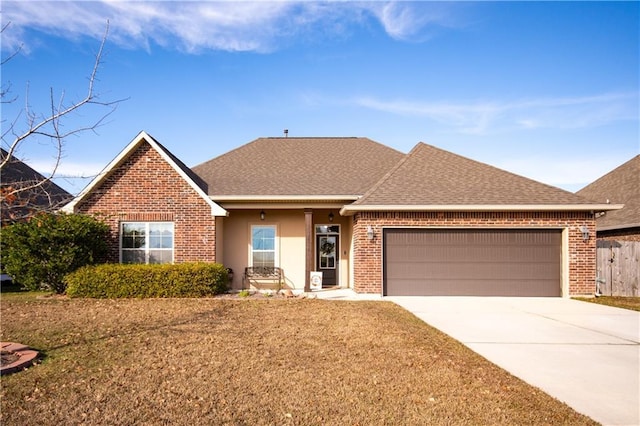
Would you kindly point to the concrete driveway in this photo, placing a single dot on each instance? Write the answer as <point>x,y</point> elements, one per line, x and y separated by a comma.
<point>583,354</point>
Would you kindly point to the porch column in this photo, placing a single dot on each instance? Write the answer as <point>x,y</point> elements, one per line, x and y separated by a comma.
<point>308,244</point>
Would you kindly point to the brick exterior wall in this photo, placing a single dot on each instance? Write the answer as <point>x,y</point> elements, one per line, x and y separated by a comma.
<point>146,188</point>
<point>368,260</point>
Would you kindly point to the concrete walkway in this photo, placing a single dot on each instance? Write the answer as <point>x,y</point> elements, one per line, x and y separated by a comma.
<point>583,354</point>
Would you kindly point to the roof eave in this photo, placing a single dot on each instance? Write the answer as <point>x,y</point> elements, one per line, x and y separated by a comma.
<point>352,209</point>
<point>617,227</point>
<point>263,198</point>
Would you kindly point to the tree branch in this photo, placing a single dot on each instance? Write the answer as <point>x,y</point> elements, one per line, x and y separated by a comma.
<point>49,126</point>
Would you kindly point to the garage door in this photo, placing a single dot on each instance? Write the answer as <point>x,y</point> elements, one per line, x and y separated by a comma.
<point>479,262</point>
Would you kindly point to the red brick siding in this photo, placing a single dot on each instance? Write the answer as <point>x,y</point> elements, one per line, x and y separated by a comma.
<point>368,254</point>
<point>146,188</point>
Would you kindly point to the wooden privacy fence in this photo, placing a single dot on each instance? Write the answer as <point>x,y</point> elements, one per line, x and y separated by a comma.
<point>618,267</point>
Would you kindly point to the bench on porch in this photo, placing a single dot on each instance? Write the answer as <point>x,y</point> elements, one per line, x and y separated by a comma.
<point>258,274</point>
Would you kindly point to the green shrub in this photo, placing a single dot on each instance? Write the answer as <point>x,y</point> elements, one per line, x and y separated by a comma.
<point>40,252</point>
<point>167,280</point>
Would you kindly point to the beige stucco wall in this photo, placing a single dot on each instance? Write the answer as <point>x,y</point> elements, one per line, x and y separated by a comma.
<point>219,239</point>
<point>290,244</point>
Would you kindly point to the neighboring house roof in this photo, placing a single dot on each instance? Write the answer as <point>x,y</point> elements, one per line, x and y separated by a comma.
<point>298,167</point>
<point>191,178</point>
<point>622,186</point>
<point>35,192</point>
<point>429,178</point>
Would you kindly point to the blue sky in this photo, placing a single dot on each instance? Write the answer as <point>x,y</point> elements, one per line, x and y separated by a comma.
<point>547,90</point>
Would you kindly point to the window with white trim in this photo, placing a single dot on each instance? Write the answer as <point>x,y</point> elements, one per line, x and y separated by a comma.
<point>263,245</point>
<point>146,242</point>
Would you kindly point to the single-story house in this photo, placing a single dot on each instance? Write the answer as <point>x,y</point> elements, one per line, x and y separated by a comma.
<point>368,217</point>
<point>622,186</point>
<point>25,192</point>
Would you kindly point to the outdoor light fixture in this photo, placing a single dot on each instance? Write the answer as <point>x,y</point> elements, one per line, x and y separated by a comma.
<point>585,233</point>
<point>262,215</point>
<point>331,217</point>
<point>370,234</point>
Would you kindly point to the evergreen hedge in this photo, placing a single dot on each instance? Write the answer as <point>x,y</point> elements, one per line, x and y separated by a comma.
<point>38,253</point>
<point>144,281</point>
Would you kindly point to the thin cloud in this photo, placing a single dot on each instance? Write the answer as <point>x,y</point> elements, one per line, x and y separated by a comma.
<point>66,169</point>
<point>71,176</point>
<point>492,117</point>
<point>409,20</point>
<point>196,26</point>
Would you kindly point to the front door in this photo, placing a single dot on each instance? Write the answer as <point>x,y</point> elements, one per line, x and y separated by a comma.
<point>327,258</point>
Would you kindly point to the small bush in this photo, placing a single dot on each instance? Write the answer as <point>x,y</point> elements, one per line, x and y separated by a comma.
<point>40,252</point>
<point>177,280</point>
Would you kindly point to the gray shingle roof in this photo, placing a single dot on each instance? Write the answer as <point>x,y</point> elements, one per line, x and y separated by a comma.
<point>619,186</point>
<point>296,166</point>
<point>429,176</point>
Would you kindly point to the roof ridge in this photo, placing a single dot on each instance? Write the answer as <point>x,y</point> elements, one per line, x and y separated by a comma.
<point>388,175</point>
<point>299,165</point>
<point>314,137</point>
<point>255,141</point>
<point>530,180</point>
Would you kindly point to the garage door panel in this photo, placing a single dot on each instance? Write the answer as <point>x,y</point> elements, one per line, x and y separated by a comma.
<point>472,271</point>
<point>530,254</point>
<point>470,288</point>
<point>472,262</point>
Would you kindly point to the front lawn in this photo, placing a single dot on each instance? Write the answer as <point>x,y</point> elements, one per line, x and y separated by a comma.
<point>632,303</point>
<point>253,361</point>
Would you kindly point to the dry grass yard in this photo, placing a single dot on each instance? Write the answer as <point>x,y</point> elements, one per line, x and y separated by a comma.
<point>632,303</point>
<point>252,361</point>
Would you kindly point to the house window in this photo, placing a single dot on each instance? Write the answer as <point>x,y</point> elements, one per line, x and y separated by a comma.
<point>263,245</point>
<point>146,242</point>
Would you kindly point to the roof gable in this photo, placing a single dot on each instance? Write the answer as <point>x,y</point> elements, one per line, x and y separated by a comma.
<point>298,167</point>
<point>192,179</point>
<point>432,178</point>
<point>622,186</point>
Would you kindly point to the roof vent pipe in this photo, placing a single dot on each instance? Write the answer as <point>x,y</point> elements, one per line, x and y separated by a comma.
<point>286,133</point>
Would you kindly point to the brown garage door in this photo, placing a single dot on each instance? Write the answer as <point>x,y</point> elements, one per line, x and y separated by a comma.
<point>479,262</point>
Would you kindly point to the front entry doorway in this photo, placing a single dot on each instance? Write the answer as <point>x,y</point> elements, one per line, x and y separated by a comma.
<point>327,253</point>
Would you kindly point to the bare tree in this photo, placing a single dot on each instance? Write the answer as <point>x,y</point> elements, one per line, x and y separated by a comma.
<point>23,191</point>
